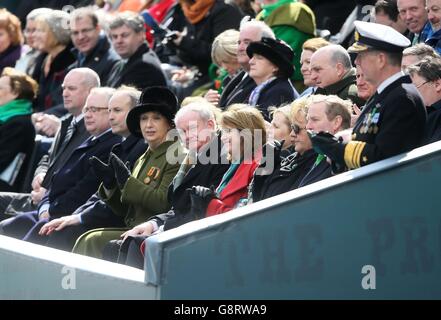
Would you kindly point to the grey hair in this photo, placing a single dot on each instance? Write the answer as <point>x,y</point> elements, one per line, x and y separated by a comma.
<point>90,77</point>
<point>429,68</point>
<point>335,106</point>
<point>265,30</point>
<point>133,94</point>
<point>37,12</point>
<point>203,109</point>
<point>131,20</point>
<point>88,12</point>
<point>58,23</point>
<point>107,92</point>
<point>339,55</point>
<point>421,50</point>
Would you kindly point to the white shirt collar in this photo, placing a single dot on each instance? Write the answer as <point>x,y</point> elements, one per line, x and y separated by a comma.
<point>389,81</point>
<point>79,117</point>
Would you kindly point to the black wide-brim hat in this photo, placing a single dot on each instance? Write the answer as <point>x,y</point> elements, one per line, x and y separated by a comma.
<point>276,51</point>
<point>159,99</point>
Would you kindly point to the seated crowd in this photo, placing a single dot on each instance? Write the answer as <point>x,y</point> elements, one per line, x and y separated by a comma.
<point>146,131</point>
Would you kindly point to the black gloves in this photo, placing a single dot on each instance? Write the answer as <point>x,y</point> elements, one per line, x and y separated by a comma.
<point>104,172</point>
<point>330,146</point>
<point>200,197</point>
<point>271,155</point>
<point>121,172</point>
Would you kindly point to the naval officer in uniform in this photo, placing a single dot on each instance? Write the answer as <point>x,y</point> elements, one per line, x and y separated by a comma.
<point>394,118</point>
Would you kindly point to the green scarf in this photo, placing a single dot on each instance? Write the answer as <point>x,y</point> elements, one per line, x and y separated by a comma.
<point>14,108</point>
<point>268,8</point>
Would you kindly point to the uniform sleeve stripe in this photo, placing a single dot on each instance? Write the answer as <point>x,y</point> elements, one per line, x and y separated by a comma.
<point>353,152</point>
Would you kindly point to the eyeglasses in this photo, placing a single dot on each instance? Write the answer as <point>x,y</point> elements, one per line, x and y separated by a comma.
<point>84,31</point>
<point>296,128</point>
<point>422,84</point>
<point>93,109</point>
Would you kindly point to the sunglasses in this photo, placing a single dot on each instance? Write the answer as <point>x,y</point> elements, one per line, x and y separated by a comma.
<point>296,128</point>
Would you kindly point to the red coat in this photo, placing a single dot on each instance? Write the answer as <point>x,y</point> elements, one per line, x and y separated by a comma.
<point>235,190</point>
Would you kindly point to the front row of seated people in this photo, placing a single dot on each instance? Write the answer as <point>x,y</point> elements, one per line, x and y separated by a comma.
<point>223,166</point>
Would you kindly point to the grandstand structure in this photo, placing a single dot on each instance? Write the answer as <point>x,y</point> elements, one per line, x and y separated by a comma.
<point>371,233</point>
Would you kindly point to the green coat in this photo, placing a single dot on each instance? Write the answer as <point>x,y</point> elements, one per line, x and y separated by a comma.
<point>293,23</point>
<point>144,195</point>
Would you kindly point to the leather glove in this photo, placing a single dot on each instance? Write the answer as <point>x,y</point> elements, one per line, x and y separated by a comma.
<point>121,172</point>
<point>103,171</point>
<point>330,146</point>
<point>271,155</point>
<point>200,197</point>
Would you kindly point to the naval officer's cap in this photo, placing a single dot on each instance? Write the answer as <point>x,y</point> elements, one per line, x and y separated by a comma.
<point>375,36</point>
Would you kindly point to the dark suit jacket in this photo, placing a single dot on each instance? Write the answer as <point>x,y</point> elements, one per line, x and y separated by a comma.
<point>17,135</point>
<point>58,154</point>
<point>277,93</point>
<point>101,59</point>
<point>206,175</point>
<point>95,213</point>
<point>237,90</point>
<point>142,70</point>
<point>75,181</point>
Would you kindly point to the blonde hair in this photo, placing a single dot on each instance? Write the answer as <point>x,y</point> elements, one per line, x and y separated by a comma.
<point>225,46</point>
<point>243,117</point>
<point>299,108</point>
<point>285,111</point>
<point>314,44</point>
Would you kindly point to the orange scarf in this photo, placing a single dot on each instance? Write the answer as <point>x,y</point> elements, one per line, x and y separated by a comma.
<point>196,11</point>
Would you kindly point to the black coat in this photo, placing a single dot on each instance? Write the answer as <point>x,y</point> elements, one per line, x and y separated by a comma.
<point>50,93</point>
<point>142,70</point>
<point>95,213</point>
<point>206,175</point>
<point>17,135</point>
<point>101,59</point>
<point>237,90</point>
<point>285,177</point>
<point>195,48</point>
<point>391,123</point>
<point>75,181</point>
<point>59,152</point>
<point>276,93</point>
<point>433,127</point>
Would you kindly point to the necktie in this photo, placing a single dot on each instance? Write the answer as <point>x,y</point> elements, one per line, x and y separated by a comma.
<point>69,133</point>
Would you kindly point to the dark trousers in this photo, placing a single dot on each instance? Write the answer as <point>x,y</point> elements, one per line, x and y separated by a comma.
<point>20,225</point>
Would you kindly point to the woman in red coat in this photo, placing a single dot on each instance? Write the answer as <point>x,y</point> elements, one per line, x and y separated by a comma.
<point>243,134</point>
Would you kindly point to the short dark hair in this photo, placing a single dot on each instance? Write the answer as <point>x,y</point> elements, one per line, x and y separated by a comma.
<point>389,7</point>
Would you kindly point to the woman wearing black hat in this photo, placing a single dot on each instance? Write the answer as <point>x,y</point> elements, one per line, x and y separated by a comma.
<point>271,68</point>
<point>138,195</point>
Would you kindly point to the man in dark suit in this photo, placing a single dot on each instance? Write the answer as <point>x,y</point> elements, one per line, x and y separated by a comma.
<point>238,90</point>
<point>76,87</point>
<point>394,119</point>
<point>139,67</point>
<point>92,48</point>
<point>75,181</point>
<point>61,233</point>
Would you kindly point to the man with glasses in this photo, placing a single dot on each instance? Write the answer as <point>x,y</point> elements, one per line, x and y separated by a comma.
<point>92,48</point>
<point>426,75</point>
<point>139,67</point>
<point>75,180</point>
<point>393,120</point>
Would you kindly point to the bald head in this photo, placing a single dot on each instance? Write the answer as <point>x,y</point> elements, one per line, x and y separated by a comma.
<point>329,64</point>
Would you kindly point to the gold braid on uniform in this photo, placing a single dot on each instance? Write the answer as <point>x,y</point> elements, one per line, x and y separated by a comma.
<point>353,152</point>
